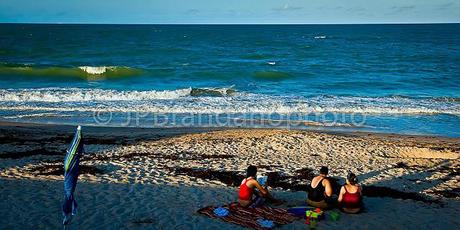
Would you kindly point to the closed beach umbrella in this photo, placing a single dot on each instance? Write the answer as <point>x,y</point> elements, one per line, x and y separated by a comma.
<point>71,171</point>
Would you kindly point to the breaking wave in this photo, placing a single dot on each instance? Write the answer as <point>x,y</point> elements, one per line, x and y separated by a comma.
<point>85,72</point>
<point>215,100</point>
<point>88,95</point>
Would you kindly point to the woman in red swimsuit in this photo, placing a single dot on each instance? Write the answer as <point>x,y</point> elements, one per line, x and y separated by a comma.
<point>245,195</point>
<point>350,197</point>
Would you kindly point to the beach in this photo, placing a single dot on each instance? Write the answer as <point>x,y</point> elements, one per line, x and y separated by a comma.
<point>173,115</point>
<point>157,178</point>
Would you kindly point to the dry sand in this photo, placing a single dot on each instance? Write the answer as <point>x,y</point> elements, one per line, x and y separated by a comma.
<point>158,178</point>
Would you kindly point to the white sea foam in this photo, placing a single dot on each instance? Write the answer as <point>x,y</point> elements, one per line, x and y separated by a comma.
<point>36,115</point>
<point>96,69</point>
<point>85,95</point>
<point>320,37</point>
<point>214,100</point>
<point>226,107</point>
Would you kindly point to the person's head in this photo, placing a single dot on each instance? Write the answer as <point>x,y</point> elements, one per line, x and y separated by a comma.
<point>251,171</point>
<point>323,170</point>
<point>352,179</point>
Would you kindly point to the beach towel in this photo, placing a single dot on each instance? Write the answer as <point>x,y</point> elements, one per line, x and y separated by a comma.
<point>255,218</point>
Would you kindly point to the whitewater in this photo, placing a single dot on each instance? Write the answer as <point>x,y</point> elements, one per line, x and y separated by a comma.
<point>375,78</point>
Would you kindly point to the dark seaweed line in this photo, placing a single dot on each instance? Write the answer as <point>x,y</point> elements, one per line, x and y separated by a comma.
<point>58,169</point>
<point>67,139</point>
<point>42,151</point>
<point>293,183</point>
<point>178,156</point>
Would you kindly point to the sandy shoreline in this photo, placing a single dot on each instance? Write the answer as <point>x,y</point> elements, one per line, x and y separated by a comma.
<point>198,167</point>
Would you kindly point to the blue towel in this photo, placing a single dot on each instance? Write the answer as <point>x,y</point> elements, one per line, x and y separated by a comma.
<point>221,212</point>
<point>265,223</point>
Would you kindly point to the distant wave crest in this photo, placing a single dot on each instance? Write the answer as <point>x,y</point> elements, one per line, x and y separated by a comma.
<point>85,72</point>
<point>97,69</point>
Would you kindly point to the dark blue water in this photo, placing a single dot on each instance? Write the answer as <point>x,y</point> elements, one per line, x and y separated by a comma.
<point>385,78</point>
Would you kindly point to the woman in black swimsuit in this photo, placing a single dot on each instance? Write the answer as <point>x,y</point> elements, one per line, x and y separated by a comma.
<point>319,190</point>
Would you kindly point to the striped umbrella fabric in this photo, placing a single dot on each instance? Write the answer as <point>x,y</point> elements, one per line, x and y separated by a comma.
<point>71,171</point>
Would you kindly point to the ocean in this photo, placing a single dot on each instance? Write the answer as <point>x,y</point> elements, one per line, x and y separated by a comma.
<point>376,78</point>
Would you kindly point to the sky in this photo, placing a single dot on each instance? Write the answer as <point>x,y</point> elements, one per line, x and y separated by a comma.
<point>229,11</point>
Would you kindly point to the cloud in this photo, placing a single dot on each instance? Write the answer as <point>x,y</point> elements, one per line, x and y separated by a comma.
<point>61,14</point>
<point>192,11</point>
<point>232,12</point>
<point>287,7</point>
<point>330,8</point>
<point>445,6</point>
<point>356,9</point>
<point>399,9</point>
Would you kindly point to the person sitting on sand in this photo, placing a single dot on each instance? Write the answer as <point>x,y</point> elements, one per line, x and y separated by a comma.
<point>350,197</point>
<point>320,189</point>
<point>247,186</point>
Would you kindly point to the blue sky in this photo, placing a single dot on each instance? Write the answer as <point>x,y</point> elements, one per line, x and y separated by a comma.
<point>229,11</point>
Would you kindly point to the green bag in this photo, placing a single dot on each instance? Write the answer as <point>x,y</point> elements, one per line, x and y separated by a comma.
<point>335,216</point>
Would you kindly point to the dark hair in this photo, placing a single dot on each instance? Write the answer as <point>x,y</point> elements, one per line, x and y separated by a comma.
<point>323,170</point>
<point>251,171</point>
<point>352,179</point>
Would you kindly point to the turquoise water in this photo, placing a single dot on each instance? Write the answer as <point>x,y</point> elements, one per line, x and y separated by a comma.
<point>382,78</point>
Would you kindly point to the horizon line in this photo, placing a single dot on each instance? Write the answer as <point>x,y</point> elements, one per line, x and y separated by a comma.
<point>358,23</point>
